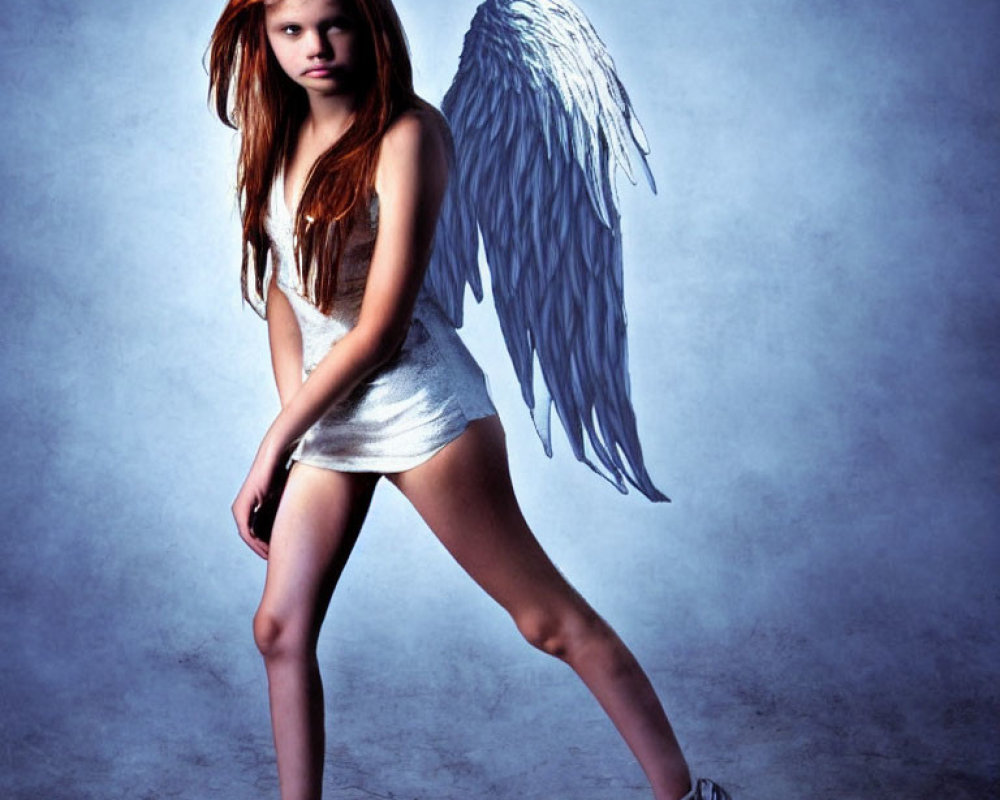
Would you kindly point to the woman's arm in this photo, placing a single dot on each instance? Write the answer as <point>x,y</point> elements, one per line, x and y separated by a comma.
<point>286,343</point>
<point>411,177</point>
<point>410,180</point>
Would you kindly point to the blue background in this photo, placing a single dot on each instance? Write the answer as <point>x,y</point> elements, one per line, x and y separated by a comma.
<point>814,331</point>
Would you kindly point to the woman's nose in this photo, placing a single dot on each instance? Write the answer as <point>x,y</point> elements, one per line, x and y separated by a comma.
<point>319,45</point>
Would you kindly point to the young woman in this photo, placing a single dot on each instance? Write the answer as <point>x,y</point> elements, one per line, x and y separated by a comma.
<point>341,175</point>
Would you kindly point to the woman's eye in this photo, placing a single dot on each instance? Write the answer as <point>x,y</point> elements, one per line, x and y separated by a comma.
<point>290,30</point>
<point>339,24</point>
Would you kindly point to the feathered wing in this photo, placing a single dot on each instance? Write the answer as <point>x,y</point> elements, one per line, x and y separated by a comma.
<point>541,122</point>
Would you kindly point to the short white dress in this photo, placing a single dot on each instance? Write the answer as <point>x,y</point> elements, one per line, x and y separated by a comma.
<point>415,404</point>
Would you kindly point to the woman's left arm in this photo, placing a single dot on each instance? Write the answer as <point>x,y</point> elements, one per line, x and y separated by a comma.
<point>411,177</point>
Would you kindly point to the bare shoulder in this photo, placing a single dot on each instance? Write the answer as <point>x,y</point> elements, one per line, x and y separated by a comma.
<point>418,137</point>
<point>417,126</point>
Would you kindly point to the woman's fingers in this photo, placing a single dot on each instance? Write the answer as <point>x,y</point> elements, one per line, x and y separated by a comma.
<point>259,482</point>
<point>255,544</point>
<point>244,504</point>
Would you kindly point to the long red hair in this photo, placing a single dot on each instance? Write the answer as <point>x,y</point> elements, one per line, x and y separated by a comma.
<point>252,94</point>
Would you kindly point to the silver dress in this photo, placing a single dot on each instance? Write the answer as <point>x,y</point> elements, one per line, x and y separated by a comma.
<point>410,407</point>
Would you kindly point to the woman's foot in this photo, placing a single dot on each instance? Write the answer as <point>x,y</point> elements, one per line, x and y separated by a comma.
<point>704,789</point>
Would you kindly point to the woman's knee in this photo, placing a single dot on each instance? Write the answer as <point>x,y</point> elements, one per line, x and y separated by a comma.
<point>561,633</point>
<point>276,636</point>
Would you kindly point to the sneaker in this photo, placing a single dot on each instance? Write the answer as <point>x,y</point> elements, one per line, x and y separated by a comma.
<point>704,789</point>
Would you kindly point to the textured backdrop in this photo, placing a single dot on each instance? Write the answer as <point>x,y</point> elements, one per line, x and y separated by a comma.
<point>814,331</point>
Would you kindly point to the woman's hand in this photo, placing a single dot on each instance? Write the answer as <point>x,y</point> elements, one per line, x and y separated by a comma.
<point>255,488</point>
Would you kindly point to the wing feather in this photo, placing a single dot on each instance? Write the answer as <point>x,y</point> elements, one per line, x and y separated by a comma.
<point>541,123</point>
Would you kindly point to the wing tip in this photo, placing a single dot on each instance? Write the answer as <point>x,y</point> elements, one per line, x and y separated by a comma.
<point>658,497</point>
<point>645,487</point>
<point>620,478</point>
<point>649,175</point>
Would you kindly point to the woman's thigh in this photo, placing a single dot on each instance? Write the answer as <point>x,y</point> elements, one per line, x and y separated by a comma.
<point>464,493</point>
<point>317,524</point>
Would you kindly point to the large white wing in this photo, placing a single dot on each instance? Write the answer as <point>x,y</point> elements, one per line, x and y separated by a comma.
<point>541,122</point>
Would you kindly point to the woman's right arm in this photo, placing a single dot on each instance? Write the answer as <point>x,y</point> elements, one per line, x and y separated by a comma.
<point>286,343</point>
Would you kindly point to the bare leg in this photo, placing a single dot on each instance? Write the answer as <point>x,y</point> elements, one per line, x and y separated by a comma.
<point>465,495</point>
<point>314,532</point>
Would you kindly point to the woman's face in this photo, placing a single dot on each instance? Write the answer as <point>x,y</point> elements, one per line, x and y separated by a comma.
<point>318,43</point>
